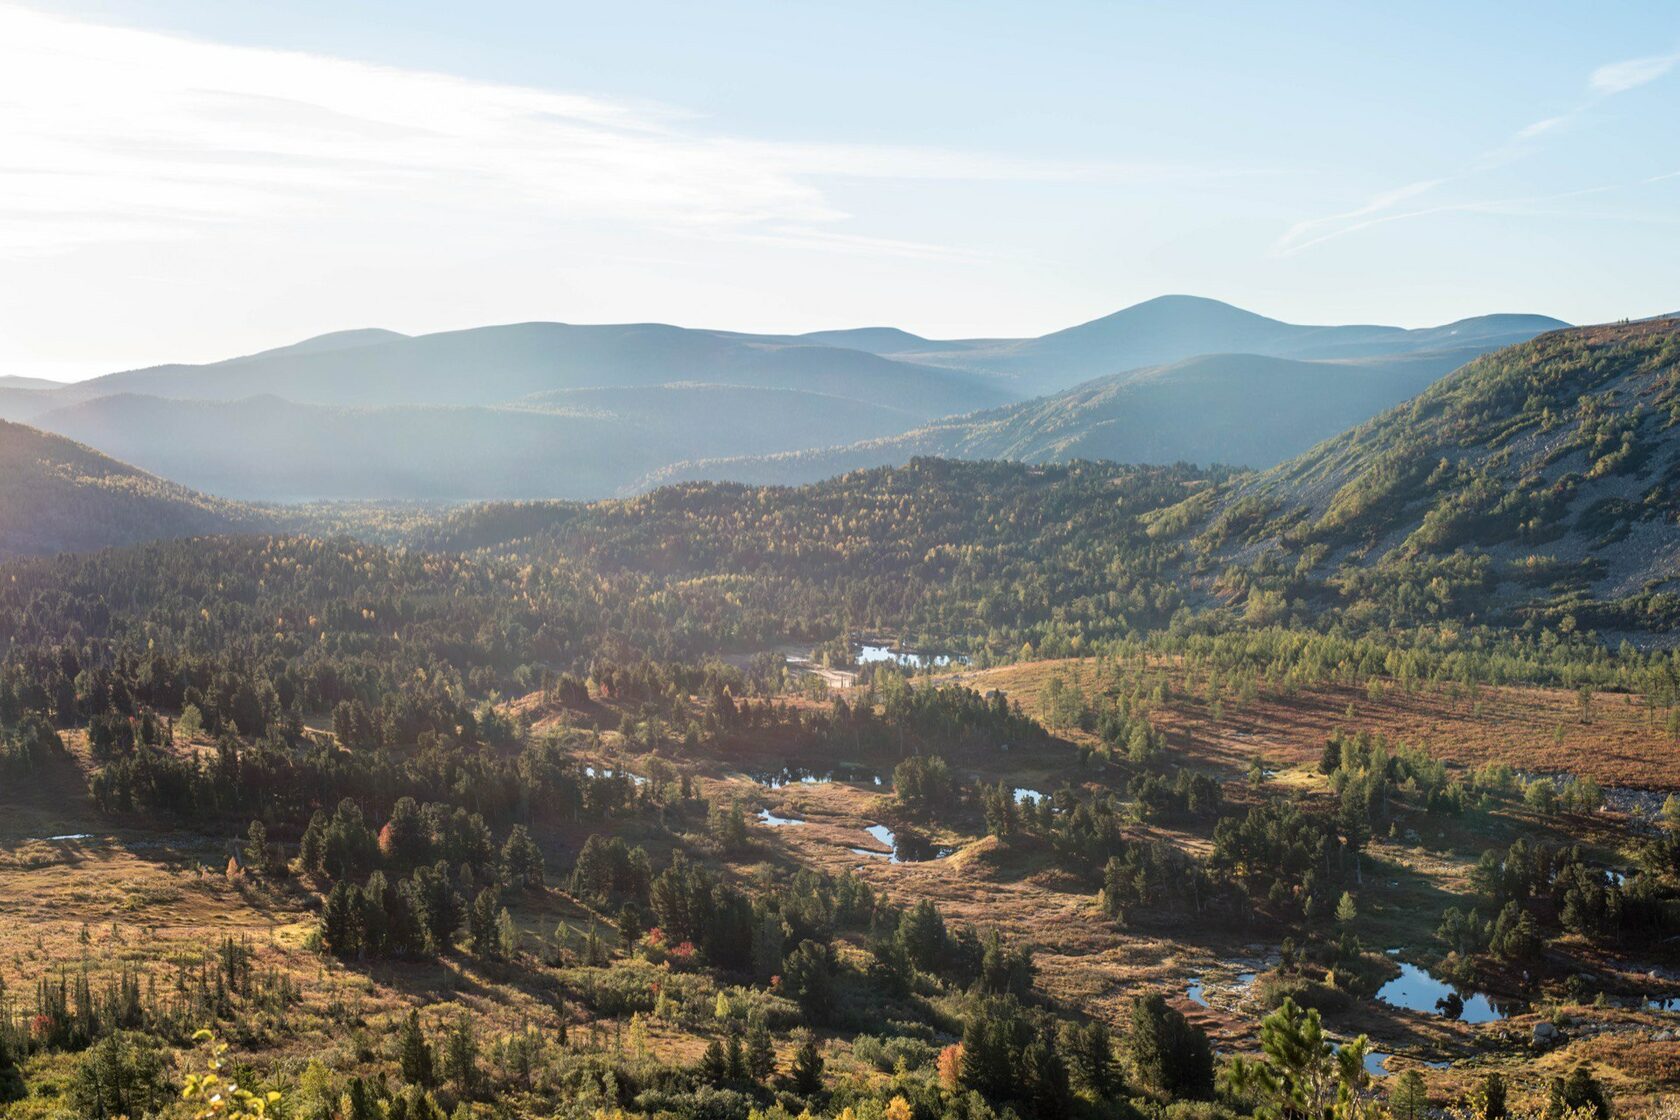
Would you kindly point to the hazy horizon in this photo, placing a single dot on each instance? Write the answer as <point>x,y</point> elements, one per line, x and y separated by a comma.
<point>203,180</point>
<point>92,373</point>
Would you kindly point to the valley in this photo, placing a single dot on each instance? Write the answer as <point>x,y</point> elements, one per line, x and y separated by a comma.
<point>1146,786</point>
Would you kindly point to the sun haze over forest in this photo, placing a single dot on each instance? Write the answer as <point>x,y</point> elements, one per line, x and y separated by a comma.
<point>766,561</point>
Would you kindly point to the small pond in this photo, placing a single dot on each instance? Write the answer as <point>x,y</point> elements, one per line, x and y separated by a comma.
<point>909,659</point>
<point>1376,1063</point>
<point>1416,990</point>
<point>590,771</point>
<point>799,775</point>
<point>1196,990</point>
<point>1024,796</point>
<point>910,849</point>
<point>765,816</point>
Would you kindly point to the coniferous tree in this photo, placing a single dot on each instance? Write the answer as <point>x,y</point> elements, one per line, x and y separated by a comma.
<point>415,1053</point>
<point>1169,1051</point>
<point>481,925</point>
<point>714,1064</point>
<point>761,1052</point>
<point>522,861</point>
<point>460,1057</point>
<point>807,1070</point>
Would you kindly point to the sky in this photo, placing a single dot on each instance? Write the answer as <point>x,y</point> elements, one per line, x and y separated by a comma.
<point>187,180</point>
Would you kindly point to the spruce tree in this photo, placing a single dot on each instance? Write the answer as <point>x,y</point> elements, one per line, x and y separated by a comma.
<point>761,1052</point>
<point>460,1057</point>
<point>807,1069</point>
<point>415,1053</point>
<point>481,925</point>
<point>714,1065</point>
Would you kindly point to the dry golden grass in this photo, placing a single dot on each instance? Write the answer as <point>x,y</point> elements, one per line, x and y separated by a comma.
<point>1533,729</point>
<point>147,898</point>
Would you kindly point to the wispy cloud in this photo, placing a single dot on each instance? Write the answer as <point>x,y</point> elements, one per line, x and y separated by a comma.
<point>1619,77</point>
<point>110,134</point>
<point>1604,82</point>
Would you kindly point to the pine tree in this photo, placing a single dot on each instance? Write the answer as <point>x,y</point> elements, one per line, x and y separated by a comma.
<point>522,861</point>
<point>339,922</point>
<point>761,1052</point>
<point>922,933</point>
<point>1346,910</point>
<point>1169,1051</point>
<point>415,1053</point>
<point>807,1069</point>
<point>594,949</point>
<point>481,925</point>
<point>1409,1100</point>
<point>986,1066</point>
<point>507,935</point>
<point>1490,1096</point>
<point>460,1057</point>
<point>1089,1052</point>
<point>1044,1081</point>
<point>630,926</point>
<point>1579,1091</point>
<point>361,1102</point>
<point>1331,760</point>
<point>256,847</point>
<point>714,1065</point>
<point>312,851</point>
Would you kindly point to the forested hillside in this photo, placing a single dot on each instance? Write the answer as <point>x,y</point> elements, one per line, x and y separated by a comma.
<point>59,496</point>
<point>1538,483</point>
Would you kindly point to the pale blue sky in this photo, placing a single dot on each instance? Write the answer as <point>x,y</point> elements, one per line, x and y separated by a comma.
<point>186,179</point>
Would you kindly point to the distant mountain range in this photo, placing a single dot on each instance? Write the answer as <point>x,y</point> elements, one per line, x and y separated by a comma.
<point>1236,409</point>
<point>1171,328</point>
<point>557,410</point>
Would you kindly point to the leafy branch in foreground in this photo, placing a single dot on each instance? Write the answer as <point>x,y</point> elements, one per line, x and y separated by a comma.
<point>217,1097</point>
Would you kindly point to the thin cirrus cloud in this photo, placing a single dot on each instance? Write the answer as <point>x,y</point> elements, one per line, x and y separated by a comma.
<point>1604,82</point>
<point>1619,77</point>
<point>113,133</point>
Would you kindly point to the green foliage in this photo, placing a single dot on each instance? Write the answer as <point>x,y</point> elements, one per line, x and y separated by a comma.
<point>1170,1053</point>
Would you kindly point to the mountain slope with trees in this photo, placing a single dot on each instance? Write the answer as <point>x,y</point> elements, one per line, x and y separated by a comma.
<point>1541,481</point>
<point>1243,410</point>
<point>60,496</point>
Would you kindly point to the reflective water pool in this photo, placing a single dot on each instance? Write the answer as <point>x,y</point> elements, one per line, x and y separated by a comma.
<point>799,775</point>
<point>909,849</point>
<point>1416,990</point>
<point>765,816</point>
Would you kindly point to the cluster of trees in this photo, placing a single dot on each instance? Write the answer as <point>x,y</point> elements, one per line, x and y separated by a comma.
<point>1532,887</point>
<point>1373,777</point>
<point>29,748</point>
<point>419,914</point>
<point>1285,859</point>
